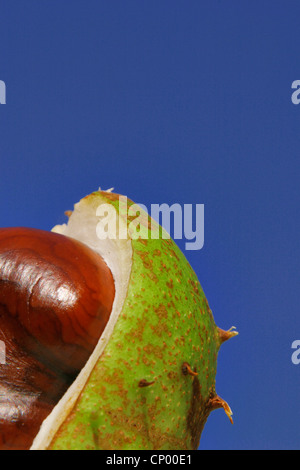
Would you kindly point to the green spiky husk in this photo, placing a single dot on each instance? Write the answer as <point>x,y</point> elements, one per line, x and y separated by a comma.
<point>139,395</point>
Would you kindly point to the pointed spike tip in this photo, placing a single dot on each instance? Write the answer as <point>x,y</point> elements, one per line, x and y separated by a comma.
<point>218,402</point>
<point>228,411</point>
<point>226,335</point>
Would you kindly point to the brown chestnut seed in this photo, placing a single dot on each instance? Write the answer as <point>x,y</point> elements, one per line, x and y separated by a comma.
<point>56,297</point>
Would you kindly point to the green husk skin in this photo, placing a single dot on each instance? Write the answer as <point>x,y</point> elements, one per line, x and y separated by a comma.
<point>140,394</point>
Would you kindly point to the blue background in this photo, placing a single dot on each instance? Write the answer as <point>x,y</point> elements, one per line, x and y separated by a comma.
<point>174,101</point>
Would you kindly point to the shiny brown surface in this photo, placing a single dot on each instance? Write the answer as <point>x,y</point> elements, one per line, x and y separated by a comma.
<point>56,297</point>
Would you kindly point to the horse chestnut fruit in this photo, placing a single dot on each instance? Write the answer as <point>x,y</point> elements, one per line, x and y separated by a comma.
<point>110,342</point>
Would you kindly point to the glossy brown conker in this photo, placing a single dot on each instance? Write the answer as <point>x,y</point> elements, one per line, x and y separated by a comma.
<point>56,296</point>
